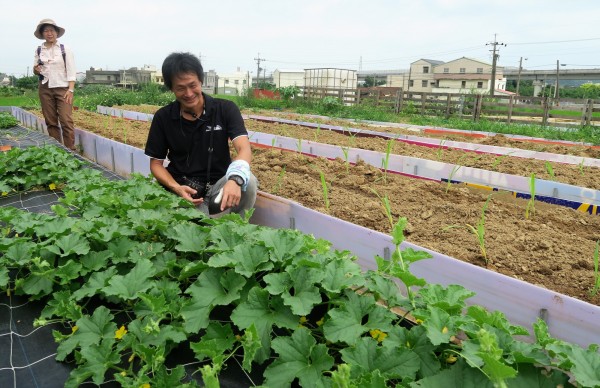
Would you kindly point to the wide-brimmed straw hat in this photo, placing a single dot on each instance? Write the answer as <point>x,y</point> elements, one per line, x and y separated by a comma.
<point>38,33</point>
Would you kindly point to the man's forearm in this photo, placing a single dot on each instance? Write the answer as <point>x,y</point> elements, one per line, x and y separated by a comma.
<point>162,175</point>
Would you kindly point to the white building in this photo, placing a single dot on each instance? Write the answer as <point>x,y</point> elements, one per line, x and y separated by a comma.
<point>287,77</point>
<point>233,83</point>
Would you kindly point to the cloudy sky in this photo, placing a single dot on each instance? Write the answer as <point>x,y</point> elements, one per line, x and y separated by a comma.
<point>292,34</point>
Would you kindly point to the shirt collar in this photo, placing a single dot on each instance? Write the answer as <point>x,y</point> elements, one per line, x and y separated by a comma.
<point>209,105</point>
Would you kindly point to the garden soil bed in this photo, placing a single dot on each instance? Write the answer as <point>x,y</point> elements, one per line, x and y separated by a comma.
<point>553,248</point>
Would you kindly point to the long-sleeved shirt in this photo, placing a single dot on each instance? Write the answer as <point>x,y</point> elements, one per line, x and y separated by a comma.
<point>55,73</point>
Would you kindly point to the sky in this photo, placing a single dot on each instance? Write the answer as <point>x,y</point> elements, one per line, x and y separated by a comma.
<point>291,34</point>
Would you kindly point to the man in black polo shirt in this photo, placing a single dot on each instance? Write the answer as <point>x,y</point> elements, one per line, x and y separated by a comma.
<point>193,133</point>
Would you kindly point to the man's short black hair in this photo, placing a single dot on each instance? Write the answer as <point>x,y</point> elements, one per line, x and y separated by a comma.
<point>180,63</point>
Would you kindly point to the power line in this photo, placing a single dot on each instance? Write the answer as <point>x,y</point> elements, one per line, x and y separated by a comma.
<point>556,41</point>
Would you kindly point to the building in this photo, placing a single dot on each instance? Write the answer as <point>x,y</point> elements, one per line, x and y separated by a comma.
<point>123,78</point>
<point>211,80</point>
<point>420,75</point>
<point>235,83</point>
<point>285,77</point>
<point>466,75</point>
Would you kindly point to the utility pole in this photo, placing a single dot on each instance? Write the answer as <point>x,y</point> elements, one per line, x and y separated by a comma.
<point>494,59</point>
<point>519,76</point>
<point>556,93</point>
<point>258,59</point>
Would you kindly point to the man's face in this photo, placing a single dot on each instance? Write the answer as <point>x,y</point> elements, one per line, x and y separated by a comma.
<point>188,90</point>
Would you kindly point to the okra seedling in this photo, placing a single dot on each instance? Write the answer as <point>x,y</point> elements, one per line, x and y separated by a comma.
<point>345,151</point>
<point>325,191</point>
<point>385,162</point>
<point>455,169</point>
<point>550,170</point>
<point>279,183</point>
<point>531,202</point>
<point>581,166</point>
<point>387,208</point>
<point>440,150</point>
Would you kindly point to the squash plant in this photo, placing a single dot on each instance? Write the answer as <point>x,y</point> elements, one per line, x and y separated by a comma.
<point>136,274</point>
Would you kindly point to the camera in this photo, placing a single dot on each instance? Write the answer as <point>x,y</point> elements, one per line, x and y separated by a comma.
<point>40,63</point>
<point>200,187</point>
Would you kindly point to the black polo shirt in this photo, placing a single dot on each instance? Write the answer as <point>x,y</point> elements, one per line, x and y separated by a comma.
<point>185,143</point>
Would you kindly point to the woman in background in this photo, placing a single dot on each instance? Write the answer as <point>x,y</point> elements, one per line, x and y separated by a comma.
<point>55,66</point>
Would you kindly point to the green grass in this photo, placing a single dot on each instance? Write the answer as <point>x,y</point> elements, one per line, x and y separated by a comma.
<point>17,101</point>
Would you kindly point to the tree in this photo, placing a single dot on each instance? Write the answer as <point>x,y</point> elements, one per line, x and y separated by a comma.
<point>30,82</point>
<point>371,81</point>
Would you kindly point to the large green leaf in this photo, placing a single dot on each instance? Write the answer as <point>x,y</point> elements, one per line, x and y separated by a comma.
<point>300,357</point>
<point>69,245</point>
<point>340,274</point>
<point>90,331</point>
<point>264,312</point>
<point>297,288</point>
<point>367,356</point>
<point>457,376</point>
<point>246,259</point>
<point>190,237</point>
<point>357,315</point>
<point>213,287</point>
<point>137,280</point>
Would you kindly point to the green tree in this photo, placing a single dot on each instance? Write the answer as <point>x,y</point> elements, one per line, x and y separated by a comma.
<point>371,81</point>
<point>30,82</point>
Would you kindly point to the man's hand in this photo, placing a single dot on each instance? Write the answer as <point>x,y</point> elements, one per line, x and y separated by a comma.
<point>232,193</point>
<point>186,193</point>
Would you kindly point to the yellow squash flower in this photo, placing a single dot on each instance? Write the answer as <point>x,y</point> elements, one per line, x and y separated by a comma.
<point>121,332</point>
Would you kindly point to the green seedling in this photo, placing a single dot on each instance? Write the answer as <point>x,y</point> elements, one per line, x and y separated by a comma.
<point>279,183</point>
<point>440,151</point>
<point>385,161</point>
<point>325,191</point>
<point>400,261</point>
<point>387,208</point>
<point>581,166</point>
<point>531,203</point>
<point>317,132</point>
<point>499,159</point>
<point>351,138</point>
<point>594,291</point>
<point>345,151</point>
<point>478,230</point>
<point>455,169</point>
<point>550,170</point>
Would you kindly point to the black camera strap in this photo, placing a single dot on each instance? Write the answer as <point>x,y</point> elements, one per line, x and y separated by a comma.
<point>210,142</point>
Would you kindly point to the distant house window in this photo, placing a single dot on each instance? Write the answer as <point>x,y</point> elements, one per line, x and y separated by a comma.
<point>480,70</point>
<point>446,70</point>
<point>479,85</point>
<point>108,78</point>
<point>463,84</point>
<point>244,82</point>
<point>463,70</point>
<point>425,69</point>
<point>411,83</point>
<point>237,81</point>
<point>424,83</point>
<point>226,81</point>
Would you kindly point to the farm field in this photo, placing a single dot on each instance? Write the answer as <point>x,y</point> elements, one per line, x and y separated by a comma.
<point>553,248</point>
